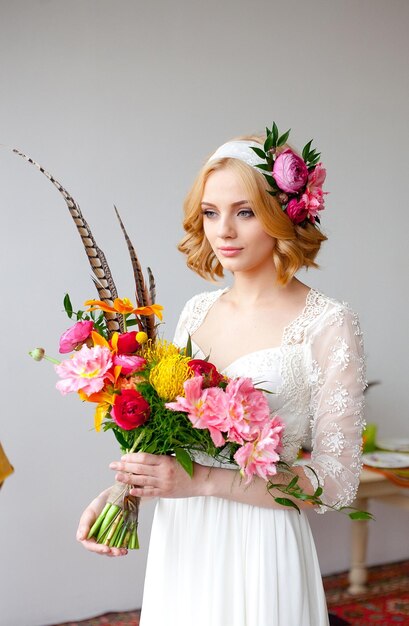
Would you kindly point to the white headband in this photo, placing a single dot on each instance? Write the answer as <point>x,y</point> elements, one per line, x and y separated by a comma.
<point>239,150</point>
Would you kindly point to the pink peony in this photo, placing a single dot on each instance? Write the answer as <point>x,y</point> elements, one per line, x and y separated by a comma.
<point>129,364</point>
<point>209,373</point>
<point>260,457</point>
<point>86,370</point>
<point>248,410</point>
<point>130,409</point>
<point>313,197</point>
<point>206,408</point>
<point>127,343</point>
<point>297,211</point>
<point>290,172</point>
<point>75,335</point>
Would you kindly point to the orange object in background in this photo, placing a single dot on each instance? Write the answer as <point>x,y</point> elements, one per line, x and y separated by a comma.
<point>5,468</point>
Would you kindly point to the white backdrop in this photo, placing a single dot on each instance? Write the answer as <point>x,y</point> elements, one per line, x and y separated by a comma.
<point>122,101</point>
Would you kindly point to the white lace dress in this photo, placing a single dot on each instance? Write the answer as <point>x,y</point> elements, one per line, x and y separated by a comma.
<point>215,562</point>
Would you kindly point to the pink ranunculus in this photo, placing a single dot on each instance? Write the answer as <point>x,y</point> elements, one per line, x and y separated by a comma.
<point>75,335</point>
<point>209,373</point>
<point>206,408</point>
<point>260,457</point>
<point>248,410</point>
<point>127,343</point>
<point>296,211</point>
<point>129,364</point>
<point>313,197</point>
<point>130,409</point>
<point>85,370</point>
<point>290,172</point>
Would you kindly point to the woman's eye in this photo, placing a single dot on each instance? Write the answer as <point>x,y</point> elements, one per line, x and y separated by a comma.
<point>208,213</point>
<point>246,213</point>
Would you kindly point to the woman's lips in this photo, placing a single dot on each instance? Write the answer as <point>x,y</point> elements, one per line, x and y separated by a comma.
<point>228,251</point>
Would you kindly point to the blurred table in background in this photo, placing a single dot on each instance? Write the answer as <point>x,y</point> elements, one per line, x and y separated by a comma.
<point>373,486</point>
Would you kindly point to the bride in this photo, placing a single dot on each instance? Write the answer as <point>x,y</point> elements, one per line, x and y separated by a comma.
<point>223,553</point>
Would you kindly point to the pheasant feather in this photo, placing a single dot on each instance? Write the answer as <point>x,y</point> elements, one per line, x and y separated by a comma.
<point>152,285</point>
<point>143,297</point>
<point>103,277</point>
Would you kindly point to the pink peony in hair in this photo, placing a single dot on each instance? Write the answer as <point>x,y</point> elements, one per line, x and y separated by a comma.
<point>86,370</point>
<point>290,172</point>
<point>313,197</point>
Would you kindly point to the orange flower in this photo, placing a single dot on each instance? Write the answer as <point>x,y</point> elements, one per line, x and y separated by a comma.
<point>105,401</point>
<point>124,306</point>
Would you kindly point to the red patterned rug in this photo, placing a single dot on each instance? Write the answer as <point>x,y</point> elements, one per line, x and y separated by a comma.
<point>386,602</point>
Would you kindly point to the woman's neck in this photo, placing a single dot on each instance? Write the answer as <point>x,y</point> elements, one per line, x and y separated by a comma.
<point>254,289</point>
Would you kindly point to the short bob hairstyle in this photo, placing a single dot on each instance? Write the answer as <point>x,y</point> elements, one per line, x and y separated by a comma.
<point>295,247</point>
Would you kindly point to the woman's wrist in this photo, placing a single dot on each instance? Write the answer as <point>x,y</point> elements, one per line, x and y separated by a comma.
<point>203,476</point>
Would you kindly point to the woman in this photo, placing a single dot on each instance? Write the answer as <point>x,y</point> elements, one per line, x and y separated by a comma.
<point>221,552</point>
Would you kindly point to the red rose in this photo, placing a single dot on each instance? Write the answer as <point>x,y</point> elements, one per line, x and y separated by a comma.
<point>210,375</point>
<point>127,343</point>
<point>130,409</point>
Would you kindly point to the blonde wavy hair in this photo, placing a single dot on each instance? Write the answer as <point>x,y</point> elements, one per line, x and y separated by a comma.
<point>295,246</point>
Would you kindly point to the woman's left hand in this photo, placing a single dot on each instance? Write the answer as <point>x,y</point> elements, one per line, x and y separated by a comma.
<point>152,475</point>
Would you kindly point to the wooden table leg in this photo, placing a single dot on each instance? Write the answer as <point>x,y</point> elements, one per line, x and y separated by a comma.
<point>359,535</point>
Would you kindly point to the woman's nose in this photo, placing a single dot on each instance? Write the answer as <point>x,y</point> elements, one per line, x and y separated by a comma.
<point>226,228</point>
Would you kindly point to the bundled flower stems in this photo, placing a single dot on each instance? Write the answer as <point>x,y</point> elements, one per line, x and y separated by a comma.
<point>117,524</point>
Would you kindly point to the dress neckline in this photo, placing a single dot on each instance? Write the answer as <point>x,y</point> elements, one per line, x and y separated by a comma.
<point>287,331</point>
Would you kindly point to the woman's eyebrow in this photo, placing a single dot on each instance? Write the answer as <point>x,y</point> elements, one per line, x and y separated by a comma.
<point>239,203</point>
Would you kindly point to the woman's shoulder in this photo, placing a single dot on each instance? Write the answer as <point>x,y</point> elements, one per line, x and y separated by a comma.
<point>198,305</point>
<point>330,306</point>
<point>331,313</point>
<point>205,297</point>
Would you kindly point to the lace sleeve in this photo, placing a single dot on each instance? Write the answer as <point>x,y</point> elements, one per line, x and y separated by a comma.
<point>183,326</point>
<point>338,382</point>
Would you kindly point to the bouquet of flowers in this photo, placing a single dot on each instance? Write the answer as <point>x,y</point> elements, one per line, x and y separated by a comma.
<point>156,398</point>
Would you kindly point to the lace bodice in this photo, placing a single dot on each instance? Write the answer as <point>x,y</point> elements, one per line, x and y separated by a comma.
<point>317,376</point>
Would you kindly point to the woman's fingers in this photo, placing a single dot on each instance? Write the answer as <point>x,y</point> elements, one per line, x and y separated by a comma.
<point>142,457</point>
<point>86,521</point>
<point>92,546</point>
<point>133,468</point>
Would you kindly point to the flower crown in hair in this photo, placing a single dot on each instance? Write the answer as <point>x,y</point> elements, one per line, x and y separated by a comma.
<point>295,181</point>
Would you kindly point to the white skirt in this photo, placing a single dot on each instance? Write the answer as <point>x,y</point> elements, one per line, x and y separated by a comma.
<point>214,562</point>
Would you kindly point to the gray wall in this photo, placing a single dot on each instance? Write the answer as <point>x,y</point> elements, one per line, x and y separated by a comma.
<point>122,101</point>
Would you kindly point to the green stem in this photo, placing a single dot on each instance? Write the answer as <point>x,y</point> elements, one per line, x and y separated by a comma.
<point>50,358</point>
<point>109,518</point>
<point>97,524</point>
<point>136,443</point>
<point>112,529</point>
<point>134,541</point>
<point>121,536</point>
<point>117,532</point>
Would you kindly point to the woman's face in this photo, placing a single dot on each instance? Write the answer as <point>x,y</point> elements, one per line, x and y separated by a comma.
<point>233,231</point>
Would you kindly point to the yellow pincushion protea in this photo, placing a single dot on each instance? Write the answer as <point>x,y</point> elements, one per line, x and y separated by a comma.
<point>169,374</point>
<point>155,351</point>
